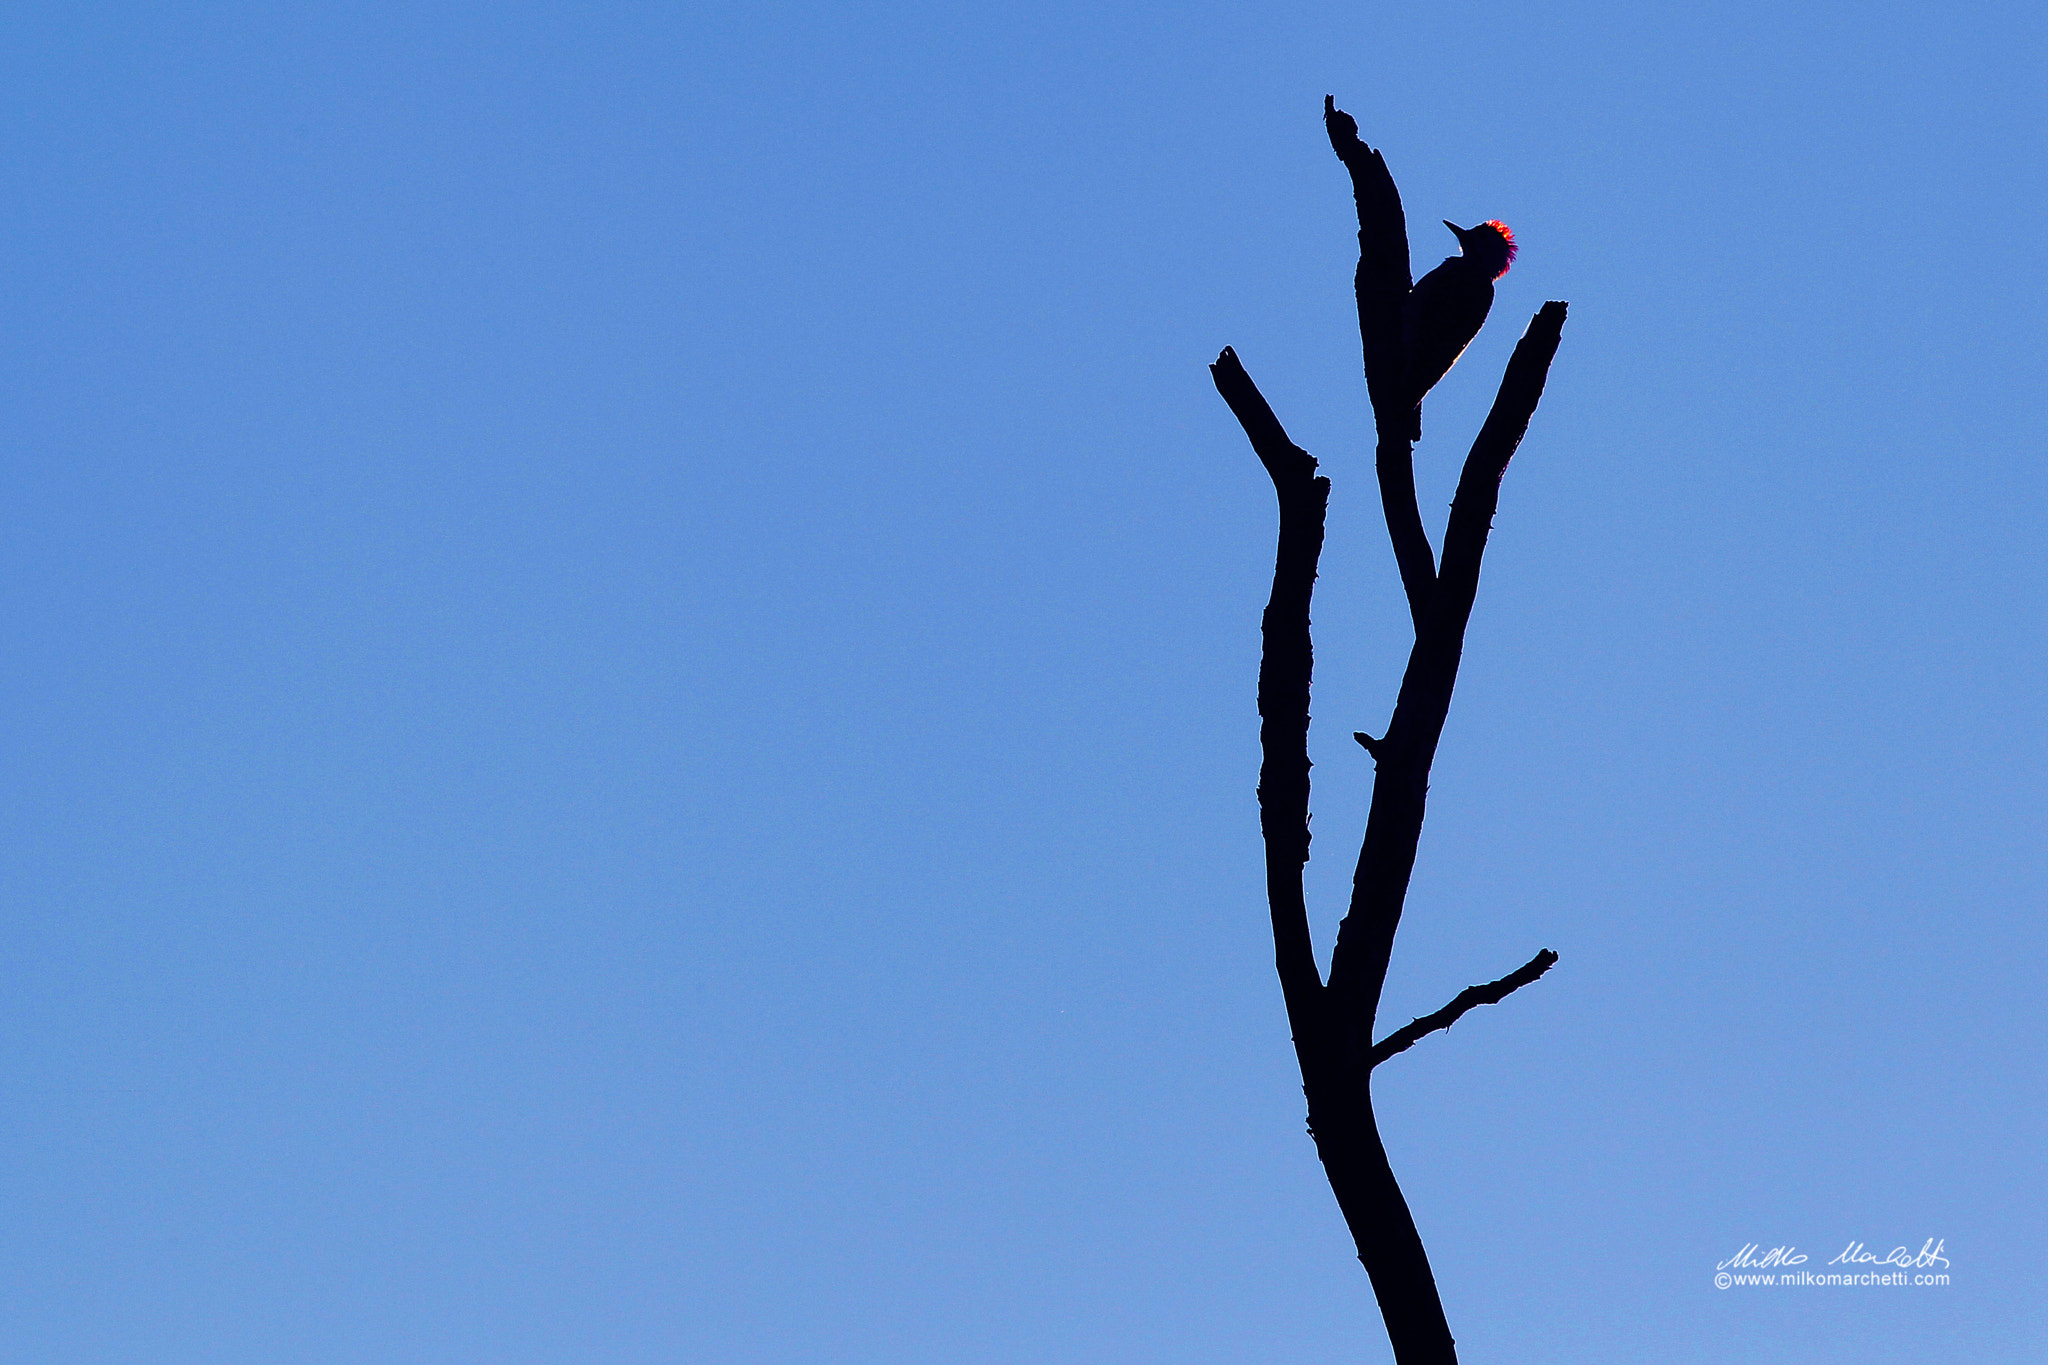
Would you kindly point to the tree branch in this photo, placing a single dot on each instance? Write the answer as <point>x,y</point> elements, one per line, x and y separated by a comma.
<point>1286,666</point>
<point>1383,279</point>
<point>1339,1099</point>
<point>1394,463</point>
<point>1492,993</point>
<point>1382,285</point>
<point>1393,827</point>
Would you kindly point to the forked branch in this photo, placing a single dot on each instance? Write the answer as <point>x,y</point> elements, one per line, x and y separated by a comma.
<point>1393,826</point>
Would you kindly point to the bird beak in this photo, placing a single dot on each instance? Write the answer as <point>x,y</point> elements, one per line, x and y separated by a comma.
<point>1458,230</point>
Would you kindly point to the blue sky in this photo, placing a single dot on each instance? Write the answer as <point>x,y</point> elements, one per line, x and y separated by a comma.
<point>629,680</point>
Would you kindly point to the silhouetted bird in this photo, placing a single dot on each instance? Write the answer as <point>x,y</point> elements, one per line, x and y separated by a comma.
<point>1447,306</point>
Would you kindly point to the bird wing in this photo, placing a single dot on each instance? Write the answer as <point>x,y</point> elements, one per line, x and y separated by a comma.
<point>1444,312</point>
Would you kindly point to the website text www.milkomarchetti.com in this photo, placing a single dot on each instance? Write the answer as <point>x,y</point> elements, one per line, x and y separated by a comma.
<point>1784,1267</point>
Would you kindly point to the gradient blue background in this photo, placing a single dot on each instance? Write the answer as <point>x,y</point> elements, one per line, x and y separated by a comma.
<point>627,691</point>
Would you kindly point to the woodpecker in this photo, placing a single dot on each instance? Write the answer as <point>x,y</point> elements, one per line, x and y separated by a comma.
<point>1446,307</point>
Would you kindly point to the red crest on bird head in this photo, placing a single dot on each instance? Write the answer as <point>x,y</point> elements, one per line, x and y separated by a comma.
<point>1506,236</point>
<point>1496,248</point>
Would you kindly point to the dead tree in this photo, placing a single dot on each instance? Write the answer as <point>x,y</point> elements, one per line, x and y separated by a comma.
<point>1333,1021</point>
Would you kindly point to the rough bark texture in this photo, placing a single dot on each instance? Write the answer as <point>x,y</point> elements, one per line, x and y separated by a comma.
<point>1333,1023</point>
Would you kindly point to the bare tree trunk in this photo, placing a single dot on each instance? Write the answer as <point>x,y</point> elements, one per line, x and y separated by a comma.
<point>1333,1023</point>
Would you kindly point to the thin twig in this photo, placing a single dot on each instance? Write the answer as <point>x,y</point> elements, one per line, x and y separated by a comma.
<point>1492,993</point>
